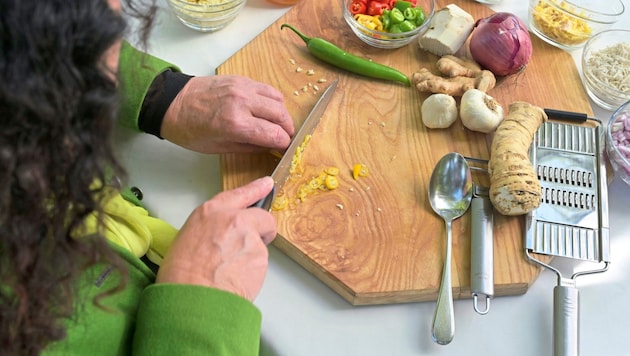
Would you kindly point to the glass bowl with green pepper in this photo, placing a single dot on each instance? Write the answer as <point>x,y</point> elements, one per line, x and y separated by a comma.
<point>386,23</point>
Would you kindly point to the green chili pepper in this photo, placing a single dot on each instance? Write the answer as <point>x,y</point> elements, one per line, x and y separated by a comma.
<point>337,57</point>
<point>396,16</point>
<point>386,20</point>
<point>395,28</point>
<point>420,17</point>
<point>402,5</point>
<point>407,26</point>
<point>410,14</point>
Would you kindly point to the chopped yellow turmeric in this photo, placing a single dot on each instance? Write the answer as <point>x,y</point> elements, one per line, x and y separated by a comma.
<point>359,170</point>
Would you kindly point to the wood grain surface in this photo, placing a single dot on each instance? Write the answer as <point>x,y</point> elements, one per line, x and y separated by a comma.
<point>376,240</point>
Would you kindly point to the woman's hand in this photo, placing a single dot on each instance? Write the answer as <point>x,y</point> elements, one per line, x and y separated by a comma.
<point>221,113</point>
<point>223,243</point>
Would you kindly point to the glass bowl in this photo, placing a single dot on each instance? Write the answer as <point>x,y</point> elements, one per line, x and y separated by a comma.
<point>605,58</point>
<point>569,24</point>
<point>385,39</point>
<point>206,15</point>
<point>618,130</point>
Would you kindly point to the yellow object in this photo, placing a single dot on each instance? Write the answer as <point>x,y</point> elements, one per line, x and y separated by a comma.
<point>561,27</point>
<point>332,182</point>
<point>131,227</point>
<point>279,203</point>
<point>296,161</point>
<point>359,170</point>
<point>333,171</point>
<point>326,180</point>
<point>371,22</point>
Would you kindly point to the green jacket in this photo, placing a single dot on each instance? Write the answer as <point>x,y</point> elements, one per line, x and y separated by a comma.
<point>149,318</point>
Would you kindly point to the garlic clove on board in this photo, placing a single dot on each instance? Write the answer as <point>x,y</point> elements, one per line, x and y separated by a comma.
<point>479,111</point>
<point>439,111</point>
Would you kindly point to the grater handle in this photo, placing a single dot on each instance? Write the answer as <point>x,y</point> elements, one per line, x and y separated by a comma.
<point>565,321</point>
<point>566,115</point>
<point>481,248</point>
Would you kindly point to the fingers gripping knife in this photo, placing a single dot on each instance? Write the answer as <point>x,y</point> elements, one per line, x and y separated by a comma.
<point>572,219</point>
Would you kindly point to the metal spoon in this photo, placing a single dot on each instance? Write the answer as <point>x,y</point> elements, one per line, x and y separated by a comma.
<point>450,194</point>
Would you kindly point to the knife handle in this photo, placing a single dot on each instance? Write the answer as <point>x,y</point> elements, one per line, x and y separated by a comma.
<point>566,115</point>
<point>481,248</point>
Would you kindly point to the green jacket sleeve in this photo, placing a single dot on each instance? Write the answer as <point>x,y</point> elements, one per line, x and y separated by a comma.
<point>136,70</point>
<point>156,319</point>
<point>207,322</point>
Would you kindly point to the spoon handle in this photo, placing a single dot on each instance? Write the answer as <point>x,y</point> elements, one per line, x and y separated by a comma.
<point>443,319</point>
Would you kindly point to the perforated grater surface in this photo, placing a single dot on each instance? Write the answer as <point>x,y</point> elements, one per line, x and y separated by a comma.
<point>572,219</point>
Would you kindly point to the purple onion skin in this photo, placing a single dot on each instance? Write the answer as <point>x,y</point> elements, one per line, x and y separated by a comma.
<point>501,44</point>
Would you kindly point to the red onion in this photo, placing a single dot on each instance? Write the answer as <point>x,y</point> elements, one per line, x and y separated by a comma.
<point>501,43</point>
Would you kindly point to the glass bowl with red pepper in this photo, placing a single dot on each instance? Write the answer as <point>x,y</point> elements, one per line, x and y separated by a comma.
<point>388,23</point>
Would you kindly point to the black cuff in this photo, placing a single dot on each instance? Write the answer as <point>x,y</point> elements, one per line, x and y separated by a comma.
<point>162,92</point>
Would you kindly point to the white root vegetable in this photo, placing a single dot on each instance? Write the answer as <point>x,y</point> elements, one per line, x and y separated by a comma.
<point>439,111</point>
<point>479,111</point>
<point>514,185</point>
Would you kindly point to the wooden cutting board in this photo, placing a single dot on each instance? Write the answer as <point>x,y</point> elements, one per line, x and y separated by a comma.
<point>376,240</point>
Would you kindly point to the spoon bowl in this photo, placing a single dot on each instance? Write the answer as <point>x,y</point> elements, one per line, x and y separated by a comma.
<point>450,194</point>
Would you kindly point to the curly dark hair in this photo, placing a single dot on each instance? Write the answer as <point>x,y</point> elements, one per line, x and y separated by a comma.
<point>57,110</point>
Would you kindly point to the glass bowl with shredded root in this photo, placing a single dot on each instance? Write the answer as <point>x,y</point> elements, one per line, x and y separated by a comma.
<point>606,68</point>
<point>569,24</point>
<point>206,15</point>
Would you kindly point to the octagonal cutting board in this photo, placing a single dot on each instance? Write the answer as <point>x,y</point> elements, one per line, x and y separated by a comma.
<point>376,240</point>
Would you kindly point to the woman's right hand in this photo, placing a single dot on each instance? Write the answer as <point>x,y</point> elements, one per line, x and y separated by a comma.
<point>223,243</point>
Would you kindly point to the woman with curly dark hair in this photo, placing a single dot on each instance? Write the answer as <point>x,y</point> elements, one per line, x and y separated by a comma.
<point>74,277</point>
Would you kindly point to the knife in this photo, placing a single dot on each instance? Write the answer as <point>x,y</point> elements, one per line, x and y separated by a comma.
<point>280,174</point>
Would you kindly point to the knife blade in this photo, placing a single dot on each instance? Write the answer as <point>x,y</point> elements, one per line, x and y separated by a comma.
<point>280,174</point>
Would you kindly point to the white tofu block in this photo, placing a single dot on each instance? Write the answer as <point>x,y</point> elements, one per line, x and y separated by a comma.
<point>449,29</point>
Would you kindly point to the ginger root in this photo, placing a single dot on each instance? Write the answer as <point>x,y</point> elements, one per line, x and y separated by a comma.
<point>453,66</point>
<point>514,185</point>
<point>457,76</point>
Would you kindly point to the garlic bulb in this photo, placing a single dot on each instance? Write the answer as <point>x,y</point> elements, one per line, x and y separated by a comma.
<point>439,111</point>
<point>479,111</point>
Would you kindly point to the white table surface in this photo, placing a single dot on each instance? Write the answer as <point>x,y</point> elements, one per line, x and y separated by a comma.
<point>302,316</point>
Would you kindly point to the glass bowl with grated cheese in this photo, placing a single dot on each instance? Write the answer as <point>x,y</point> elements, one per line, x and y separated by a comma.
<point>206,15</point>
<point>568,24</point>
<point>606,68</point>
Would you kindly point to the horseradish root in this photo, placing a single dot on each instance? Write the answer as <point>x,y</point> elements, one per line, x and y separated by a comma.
<point>514,186</point>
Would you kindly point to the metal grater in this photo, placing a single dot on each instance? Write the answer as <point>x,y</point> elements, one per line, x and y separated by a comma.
<point>572,219</point>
